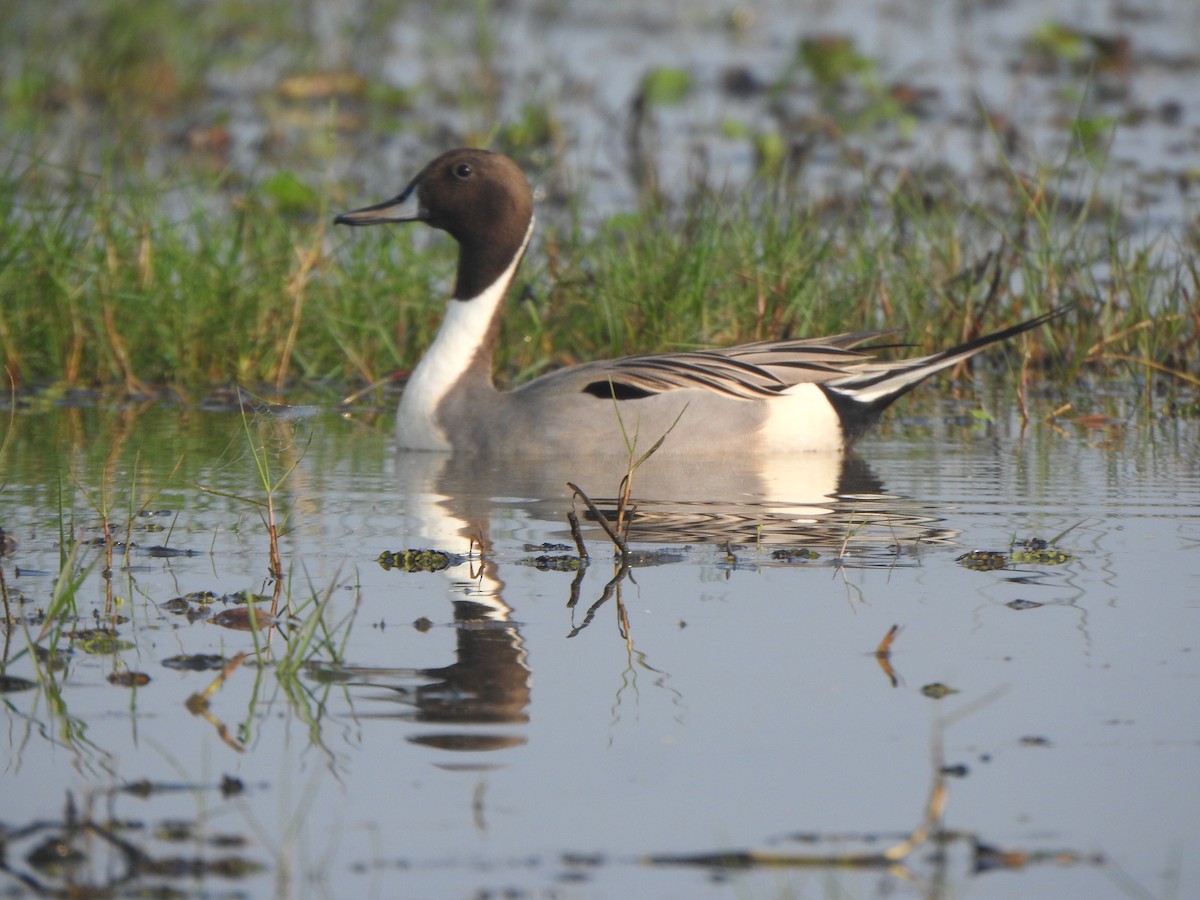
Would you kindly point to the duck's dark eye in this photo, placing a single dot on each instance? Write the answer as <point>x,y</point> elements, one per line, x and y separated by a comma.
<point>463,170</point>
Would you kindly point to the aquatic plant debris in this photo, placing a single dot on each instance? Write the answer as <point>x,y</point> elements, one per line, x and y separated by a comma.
<point>195,662</point>
<point>794,554</point>
<point>1041,552</point>
<point>1034,551</point>
<point>129,679</point>
<point>983,560</point>
<point>937,690</point>
<point>1020,605</point>
<point>419,560</point>
<point>554,562</point>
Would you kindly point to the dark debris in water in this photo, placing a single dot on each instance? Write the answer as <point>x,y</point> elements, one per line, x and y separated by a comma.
<point>10,684</point>
<point>54,660</point>
<point>662,557</point>
<point>129,679</point>
<point>156,552</point>
<point>1020,605</point>
<point>196,662</point>
<point>794,554</point>
<point>419,560</point>
<point>229,786</point>
<point>239,618</point>
<point>169,552</point>
<point>990,859</point>
<point>554,562</point>
<point>937,690</point>
<point>79,855</point>
<point>196,604</point>
<point>1034,740</point>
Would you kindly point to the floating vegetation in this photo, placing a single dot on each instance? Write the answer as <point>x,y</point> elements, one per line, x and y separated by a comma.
<point>660,557</point>
<point>794,554</point>
<point>1020,605</point>
<point>419,560</point>
<point>159,552</point>
<point>100,641</point>
<point>937,690</point>
<point>185,603</point>
<point>988,858</point>
<point>553,557</point>
<point>196,605</point>
<point>195,662</point>
<point>1040,552</point>
<point>1032,551</point>
<point>983,560</point>
<point>666,86</point>
<point>129,679</point>
<point>243,618</point>
<point>554,563</point>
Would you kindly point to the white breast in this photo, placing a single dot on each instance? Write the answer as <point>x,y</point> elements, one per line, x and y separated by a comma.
<point>463,332</point>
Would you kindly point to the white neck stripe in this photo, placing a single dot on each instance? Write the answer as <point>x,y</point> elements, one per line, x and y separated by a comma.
<point>463,331</point>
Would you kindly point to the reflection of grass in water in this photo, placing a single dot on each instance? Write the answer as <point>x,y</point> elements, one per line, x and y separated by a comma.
<point>906,859</point>
<point>89,852</point>
<point>61,621</point>
<point>616,530</point>
<point>301,623</point>
<point>256,430</point>
<point>304,623</point>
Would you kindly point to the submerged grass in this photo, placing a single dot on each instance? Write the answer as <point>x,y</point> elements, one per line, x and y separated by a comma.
<point>103,288</point>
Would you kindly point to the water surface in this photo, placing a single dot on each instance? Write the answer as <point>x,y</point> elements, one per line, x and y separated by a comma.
<point>482,729</point>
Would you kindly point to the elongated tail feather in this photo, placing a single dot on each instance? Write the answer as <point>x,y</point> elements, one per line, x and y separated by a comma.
<point>860,398</point>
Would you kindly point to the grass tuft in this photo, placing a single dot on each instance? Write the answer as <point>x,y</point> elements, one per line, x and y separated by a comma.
<point>103,288</point>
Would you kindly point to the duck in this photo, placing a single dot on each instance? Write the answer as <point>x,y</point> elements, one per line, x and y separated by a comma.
<point>801,395</point>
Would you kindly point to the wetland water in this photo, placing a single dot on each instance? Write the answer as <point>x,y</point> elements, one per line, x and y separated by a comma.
<point>481,730</point>
<point>472,731</point>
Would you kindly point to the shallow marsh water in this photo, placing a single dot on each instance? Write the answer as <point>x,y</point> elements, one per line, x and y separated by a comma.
<point>1104,94</point>
<point>460,734</point>
<point>471,732</point>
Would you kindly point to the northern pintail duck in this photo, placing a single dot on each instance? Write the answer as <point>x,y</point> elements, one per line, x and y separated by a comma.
<point>811,394</point>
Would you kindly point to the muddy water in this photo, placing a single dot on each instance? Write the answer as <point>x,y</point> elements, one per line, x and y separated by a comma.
<point>495,726</point>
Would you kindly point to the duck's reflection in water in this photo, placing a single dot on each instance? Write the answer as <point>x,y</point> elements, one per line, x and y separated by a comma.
<point>823,504</point>
<point>816,502</point>
<point>473,700</point>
